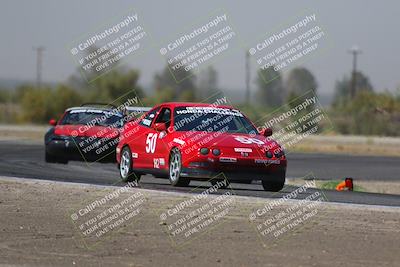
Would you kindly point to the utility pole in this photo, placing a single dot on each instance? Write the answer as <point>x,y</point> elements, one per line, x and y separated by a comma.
<point>354,51</point>
<point>39,59</point>
<point>247,77</point>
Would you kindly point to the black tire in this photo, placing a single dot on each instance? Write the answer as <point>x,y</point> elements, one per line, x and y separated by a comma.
<point>126,172</point>
<point>49,158</point>
<point>53,159</point>
<point>244,182</point>
<point>214,182</point>
<point>62,161</point>
<point>175,168</point>
<point>274,183</point>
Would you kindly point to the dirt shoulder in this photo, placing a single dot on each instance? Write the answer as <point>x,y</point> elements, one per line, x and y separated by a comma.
<point>23,132</point>
<point>381,187</point>
<point>36,229</point>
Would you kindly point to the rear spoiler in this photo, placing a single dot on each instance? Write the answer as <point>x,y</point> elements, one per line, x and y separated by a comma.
<point>95,104</point>
<point>137,109</point>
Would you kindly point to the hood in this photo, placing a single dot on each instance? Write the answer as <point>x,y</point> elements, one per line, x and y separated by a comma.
<point>229,142</point>
<point>86,131</point>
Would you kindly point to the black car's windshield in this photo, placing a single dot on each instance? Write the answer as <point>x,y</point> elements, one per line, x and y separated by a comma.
<point>92,118</point>
<point>211,119</point>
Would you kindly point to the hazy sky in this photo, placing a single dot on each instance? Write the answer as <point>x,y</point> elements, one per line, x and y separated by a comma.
<point>373,25</point>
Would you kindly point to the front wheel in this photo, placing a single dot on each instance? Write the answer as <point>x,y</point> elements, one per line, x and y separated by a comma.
<point>175,167</point>
<point>125,166</point>
<point>53,159</point>
<point>274,183</point>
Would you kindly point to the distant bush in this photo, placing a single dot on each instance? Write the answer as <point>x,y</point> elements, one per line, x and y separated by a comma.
<point>5,96</point>
<point>368,113</point>
<point>40,105</point>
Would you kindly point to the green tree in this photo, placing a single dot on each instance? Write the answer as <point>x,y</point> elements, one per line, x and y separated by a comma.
<point>299,81</point>
<point>182,83</point>
<point>343,86</point>
<point>64,97</point>
<point>5,96</point>
<point>36,104</point>
<point>208,83</point>
<point>165,95</point>
<point>108,85</point>
<point>115,85</point>
<point>270,88</point>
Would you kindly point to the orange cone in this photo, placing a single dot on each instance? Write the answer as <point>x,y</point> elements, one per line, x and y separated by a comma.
<point>341,186</point>
<point>347,184</point>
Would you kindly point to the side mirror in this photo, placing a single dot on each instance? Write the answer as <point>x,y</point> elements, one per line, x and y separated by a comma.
<point>160,126</point>
<point>53,122</point>
<point>266,132</point>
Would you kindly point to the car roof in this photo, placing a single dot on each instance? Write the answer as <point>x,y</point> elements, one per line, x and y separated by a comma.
<point>192,104</point>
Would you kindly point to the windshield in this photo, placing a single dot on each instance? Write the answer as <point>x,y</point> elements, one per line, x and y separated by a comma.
<point>92,118</point>
<point>212,119</point>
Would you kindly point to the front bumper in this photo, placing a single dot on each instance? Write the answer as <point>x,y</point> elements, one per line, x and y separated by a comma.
<point>82,148</point>
<point>238,171</point>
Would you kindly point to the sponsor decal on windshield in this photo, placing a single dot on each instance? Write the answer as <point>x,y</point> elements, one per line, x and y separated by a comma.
<point>213,110</point>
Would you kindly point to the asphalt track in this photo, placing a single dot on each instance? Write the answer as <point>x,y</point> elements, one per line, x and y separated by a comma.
<point>25,159</point>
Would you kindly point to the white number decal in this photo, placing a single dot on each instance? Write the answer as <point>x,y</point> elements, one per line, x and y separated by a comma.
<point>248,140</point>
<point>151,143</point>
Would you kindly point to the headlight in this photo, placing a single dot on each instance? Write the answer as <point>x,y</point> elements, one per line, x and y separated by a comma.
<point>204,151</point>
<point>279,153</point>
<point>216,152</point>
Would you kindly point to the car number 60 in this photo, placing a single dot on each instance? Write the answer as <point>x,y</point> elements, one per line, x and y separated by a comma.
<point>248,140</point>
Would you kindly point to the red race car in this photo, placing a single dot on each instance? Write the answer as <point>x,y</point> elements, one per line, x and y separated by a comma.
<point>197,141</point>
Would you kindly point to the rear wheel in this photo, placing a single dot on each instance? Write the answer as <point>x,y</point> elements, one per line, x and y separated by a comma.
<point>175,167</point>
<point>125,167</point>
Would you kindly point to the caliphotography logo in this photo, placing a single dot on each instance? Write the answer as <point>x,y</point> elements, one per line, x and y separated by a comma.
<point>199,133</point>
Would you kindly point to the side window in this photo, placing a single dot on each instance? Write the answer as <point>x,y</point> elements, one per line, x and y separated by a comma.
<point>146,121</point>
<point>165,116</point>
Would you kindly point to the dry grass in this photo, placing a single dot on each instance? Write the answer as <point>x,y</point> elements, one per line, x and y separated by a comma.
<point>355,145</point>
<point>382,187</point>
<point>22,132</point>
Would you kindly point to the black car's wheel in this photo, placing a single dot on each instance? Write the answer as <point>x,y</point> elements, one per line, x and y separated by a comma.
<point>175,167</point>
<point>222,186</point>
<point>49,158</point>
<point>274,183</point>
<point>125,167</point>
<point>244,182</point>
<point>54,159</point>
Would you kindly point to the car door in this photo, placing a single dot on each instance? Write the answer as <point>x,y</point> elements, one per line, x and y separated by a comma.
<point>141,144</point>
<point>158,144</point>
